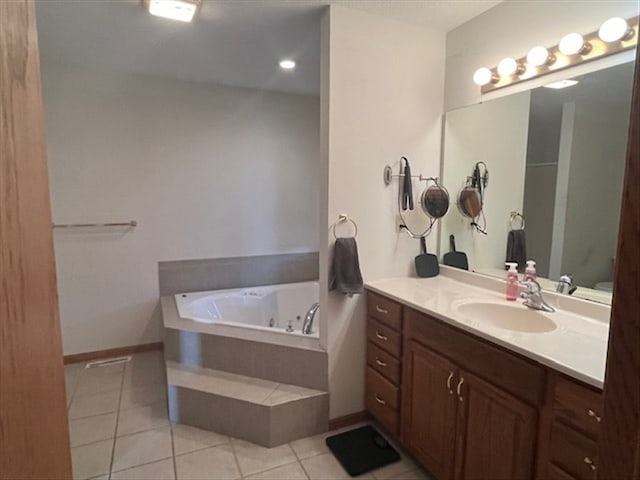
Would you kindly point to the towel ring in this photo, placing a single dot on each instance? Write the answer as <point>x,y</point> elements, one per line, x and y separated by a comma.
<point>344,218</point>
<point>515,215</point>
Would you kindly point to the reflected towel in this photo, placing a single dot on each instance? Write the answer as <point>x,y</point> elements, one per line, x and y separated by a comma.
<point>517,248</point>
<point>345,274</point>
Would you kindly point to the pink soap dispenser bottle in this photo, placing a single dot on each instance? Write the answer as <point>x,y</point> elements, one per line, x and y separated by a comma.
<point>512,281</point>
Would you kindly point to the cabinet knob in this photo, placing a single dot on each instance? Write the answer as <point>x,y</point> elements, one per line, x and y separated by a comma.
<point>594,415</point>
<point>589,462</point>
<point>380,362</point>
<point>449,383</point>
<point>379,400</point>
<point>381,336</point>
<point>458,388</point>
<point>381,310</point>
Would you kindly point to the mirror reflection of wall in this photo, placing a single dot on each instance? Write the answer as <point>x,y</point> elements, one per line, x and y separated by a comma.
<point>573,169</point>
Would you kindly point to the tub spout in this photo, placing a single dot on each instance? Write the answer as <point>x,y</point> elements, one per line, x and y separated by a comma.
<point>307,325</point>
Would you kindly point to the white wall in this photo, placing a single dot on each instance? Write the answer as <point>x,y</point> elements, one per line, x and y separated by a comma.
<point>208,171</point>
<point>511,29</point>
<point>381,95</point>
<point>495,133</point>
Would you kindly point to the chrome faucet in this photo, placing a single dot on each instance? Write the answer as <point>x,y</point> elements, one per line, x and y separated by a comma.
<point>533,297</point>
<point>565,285</point>
<point>307,325</point>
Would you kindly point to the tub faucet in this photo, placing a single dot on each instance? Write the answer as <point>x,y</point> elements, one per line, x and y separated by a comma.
<point>533,297</point>
<point>307,325</point>
<point>565,285</point>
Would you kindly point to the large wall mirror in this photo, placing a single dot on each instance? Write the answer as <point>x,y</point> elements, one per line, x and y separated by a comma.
<point>556,157</point>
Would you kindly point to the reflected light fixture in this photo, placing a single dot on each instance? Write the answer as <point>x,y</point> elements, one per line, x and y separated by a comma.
<point>539,56</point>
<point>573,43</point>
<point>287,64</point>
<point>508,66</point>
<point>484,76</point>
<point>180,10</point>
<point>614,30</point>
<point>561,84</point>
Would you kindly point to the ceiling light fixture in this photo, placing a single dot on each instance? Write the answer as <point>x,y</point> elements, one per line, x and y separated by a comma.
<point>180,10</point>
<point>561,84</point>
<point>287,64</point>
<point>573,43</point>
<point>614,30</point>
<point>539,56</point>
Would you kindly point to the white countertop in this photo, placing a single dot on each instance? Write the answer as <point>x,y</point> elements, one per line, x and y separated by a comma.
<point>577,347</point>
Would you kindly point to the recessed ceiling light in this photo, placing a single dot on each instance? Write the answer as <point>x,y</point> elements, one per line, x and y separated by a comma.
<point>561,84</point>
<point>287,64</point>
<point>181,10</point>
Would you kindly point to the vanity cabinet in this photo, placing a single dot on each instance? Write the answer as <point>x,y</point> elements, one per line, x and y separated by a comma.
<point>384,365</point>
<point>457,424</point>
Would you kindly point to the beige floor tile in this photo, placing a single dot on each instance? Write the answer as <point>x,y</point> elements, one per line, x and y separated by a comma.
<point>416,474</point>
<point>142,418</point>
<point>140,448</point>
<point>255,458</point>
<point>394,469</point>
<point>292,471</point>
<point>146,394</point>
<point>93,404</point>
<point>326,467</point>
<point>162,470</point>
<point>91,460</point>
<point>110,382</point>
<point>187,439</point>
<point>211,463</point>
<point>106,370</point>
<point>311,446</point>
<point>92,429</point>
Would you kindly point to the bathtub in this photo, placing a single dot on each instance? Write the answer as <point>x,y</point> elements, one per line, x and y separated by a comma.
<point>278,309</point>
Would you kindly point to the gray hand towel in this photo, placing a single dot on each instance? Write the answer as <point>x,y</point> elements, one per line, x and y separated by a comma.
<point>345,274</point>
<point>517,248</point>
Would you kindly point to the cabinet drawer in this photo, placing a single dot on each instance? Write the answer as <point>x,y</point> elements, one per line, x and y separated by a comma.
<point>384,337</point>
<point>382,391</point>
<point>573,452</point>
<point>385,310</point>
<point>578,406</point>
<point>384,363</point>
<point>387,417</point>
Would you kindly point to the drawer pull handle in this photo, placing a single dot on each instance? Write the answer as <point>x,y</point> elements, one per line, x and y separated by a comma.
<point>594,415</point>
<point>589,462</point>
<point>382,310</point>
<point>382,337</point>
<point>459,387</point>
<point>449,383</point>
<point>379,400</point>
<point>380,362</point>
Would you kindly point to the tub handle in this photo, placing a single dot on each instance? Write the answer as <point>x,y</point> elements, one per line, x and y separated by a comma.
<point>379,400</point>
<point>380,362</point>
<point>382,337</point>
<point>382,310</point>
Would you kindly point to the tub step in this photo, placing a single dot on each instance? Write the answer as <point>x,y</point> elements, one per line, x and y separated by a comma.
<point>260,411</point>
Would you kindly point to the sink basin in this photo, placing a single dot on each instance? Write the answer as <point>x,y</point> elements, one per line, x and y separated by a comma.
<point>517,318</point>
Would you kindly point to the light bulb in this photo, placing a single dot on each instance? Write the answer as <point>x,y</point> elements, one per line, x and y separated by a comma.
<point>572,43</point>
<point>287,64</point>
<point>613,30</point>
<point>507,67</point>
<point>483,76</point>
<point>539,56</point>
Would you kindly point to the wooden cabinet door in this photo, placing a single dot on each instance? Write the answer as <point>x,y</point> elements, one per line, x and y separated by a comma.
<point>429,408</point>
<point>496,432</point>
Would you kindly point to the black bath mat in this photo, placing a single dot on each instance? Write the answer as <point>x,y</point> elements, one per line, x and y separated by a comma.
<point>362,450</point>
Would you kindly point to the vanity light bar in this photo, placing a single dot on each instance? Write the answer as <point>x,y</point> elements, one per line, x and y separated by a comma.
<point>541,60</point>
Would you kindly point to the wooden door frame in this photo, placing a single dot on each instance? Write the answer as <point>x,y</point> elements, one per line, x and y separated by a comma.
<point>619,443</point>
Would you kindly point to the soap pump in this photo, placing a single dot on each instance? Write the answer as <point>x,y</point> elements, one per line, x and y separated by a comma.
<point>530,271</point>
<point>512,281</point>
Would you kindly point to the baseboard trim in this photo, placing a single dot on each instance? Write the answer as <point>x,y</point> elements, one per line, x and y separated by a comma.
<point>111,352</point>
<point>348,420</point>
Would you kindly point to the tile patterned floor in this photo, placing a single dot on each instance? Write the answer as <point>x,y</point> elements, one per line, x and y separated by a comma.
<point>120,431</point>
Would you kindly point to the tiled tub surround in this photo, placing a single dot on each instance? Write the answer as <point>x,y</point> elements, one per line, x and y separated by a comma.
<point>120,430</point>
<point>576,347</point>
